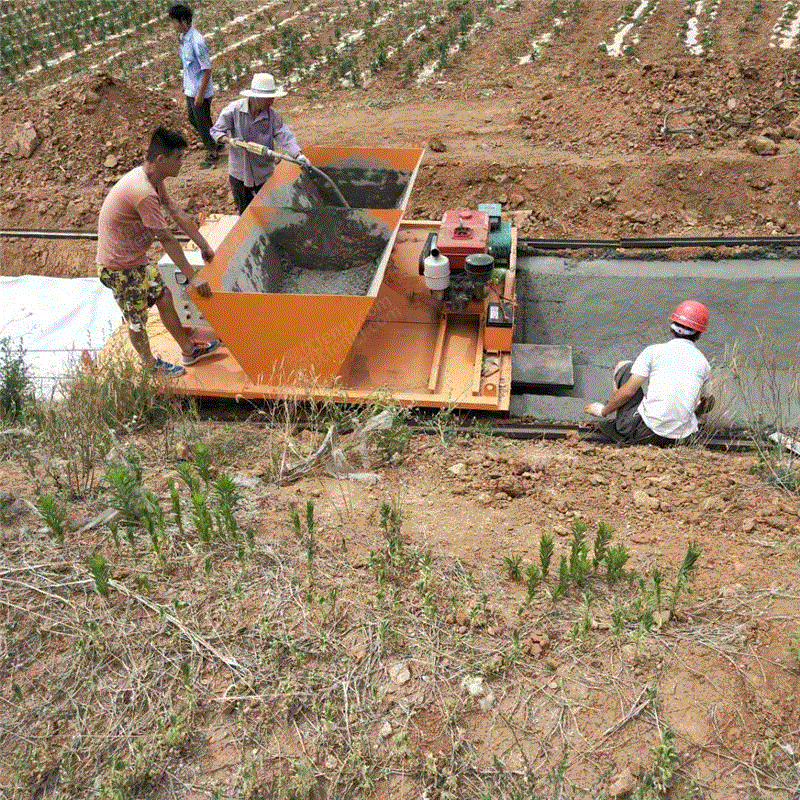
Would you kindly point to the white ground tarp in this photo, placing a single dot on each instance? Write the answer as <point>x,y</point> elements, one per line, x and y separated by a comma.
<point>52,320</point>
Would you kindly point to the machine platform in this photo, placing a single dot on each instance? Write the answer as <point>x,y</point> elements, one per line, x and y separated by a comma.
<point>321,302</point>
<point>405,350</point>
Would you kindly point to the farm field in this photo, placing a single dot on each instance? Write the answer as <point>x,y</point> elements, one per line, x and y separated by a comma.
<point>412,638</point>
<point>690,129</point>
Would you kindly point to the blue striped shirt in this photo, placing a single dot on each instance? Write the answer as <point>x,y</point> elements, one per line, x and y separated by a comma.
<point>195,60</point>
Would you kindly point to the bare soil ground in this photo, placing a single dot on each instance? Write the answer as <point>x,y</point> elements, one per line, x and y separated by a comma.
<point>348,663</point>
<point>573,141</point>
<point>344,667</point>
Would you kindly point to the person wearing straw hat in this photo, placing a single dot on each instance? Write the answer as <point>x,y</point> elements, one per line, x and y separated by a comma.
<point>253,119</point>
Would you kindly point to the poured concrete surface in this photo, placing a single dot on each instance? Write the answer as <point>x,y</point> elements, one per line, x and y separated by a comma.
<point>542,365</point>
<point>607,310</point>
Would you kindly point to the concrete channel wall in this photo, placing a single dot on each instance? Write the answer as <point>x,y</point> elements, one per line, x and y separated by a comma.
<point>608,310</point>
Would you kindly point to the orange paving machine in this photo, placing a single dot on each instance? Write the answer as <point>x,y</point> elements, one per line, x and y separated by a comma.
<point>314,300</point>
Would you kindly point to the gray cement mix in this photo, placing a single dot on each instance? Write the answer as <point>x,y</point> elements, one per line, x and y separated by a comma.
<point>608,310</point>
<point>363,182</point>
<point>320,252</point>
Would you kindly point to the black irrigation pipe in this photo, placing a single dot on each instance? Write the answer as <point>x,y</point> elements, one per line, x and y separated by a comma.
<point>528,246</point>
<point>33,233</point>
<point>524,246</point>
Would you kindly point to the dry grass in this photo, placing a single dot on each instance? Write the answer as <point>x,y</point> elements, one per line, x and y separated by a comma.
<point>261,660</point>
<point>274,667</point>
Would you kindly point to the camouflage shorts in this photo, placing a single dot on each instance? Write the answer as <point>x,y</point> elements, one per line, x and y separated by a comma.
<point>135,290</point>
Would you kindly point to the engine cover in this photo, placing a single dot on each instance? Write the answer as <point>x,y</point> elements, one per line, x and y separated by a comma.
<point>462,233</point>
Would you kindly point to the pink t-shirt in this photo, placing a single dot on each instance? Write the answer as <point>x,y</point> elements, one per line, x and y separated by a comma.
<point>130,211</point>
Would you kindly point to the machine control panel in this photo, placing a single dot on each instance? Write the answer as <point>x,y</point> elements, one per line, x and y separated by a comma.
<point>177,283</point>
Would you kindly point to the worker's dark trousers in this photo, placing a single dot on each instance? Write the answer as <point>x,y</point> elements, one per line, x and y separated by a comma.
<point>242,195</point>
<point>628,427</point>
<point>200,117</point>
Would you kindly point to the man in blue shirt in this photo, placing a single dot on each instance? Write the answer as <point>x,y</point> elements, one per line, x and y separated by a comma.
<point>197,85</point>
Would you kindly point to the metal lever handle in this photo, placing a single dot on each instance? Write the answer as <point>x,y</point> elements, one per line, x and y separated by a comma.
<point>261,150</point>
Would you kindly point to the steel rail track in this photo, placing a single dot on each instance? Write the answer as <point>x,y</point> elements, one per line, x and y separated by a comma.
<point>502,427</point>
<point>523,245</point>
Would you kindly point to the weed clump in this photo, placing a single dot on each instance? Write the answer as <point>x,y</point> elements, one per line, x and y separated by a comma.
<point>16,386</point>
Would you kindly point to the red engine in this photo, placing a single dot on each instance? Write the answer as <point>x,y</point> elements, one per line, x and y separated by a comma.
<point>461,234</point>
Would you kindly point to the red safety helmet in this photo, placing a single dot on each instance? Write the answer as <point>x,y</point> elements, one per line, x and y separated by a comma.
<point>691,314</point>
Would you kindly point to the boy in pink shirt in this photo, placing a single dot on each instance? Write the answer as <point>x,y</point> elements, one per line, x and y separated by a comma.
<point>131,219</point>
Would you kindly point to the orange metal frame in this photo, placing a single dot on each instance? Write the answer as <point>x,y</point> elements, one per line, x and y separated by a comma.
<point>405,349</point>
<point>396,341</point>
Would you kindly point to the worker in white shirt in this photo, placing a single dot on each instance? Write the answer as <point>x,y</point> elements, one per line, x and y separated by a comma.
<point>254,120</point>
<point>678,388</point>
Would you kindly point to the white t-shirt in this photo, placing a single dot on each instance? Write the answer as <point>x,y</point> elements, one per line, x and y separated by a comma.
<point>678,373</point>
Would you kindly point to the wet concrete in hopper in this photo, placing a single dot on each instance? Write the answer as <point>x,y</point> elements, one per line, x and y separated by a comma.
<point>364,183</point>
<point>327,252</point>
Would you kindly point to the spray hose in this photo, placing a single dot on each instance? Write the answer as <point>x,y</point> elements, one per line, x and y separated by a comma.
<point>262,150</point>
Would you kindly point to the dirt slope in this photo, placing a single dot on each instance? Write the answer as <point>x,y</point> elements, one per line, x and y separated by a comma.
<point>573,140</point>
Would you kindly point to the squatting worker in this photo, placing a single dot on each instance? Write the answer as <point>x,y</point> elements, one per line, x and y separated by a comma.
<point>197,85</point>
<point>677,392</point>
<point>254,120</point>
<point>131,218</point>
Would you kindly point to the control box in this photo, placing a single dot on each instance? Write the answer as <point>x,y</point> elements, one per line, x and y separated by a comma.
<point>499,328</point>
<point>461,234</point>
<point>494,210</point>
<point>177,283</point>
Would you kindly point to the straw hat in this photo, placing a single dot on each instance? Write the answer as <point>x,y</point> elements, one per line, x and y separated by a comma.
<point>263,85</point>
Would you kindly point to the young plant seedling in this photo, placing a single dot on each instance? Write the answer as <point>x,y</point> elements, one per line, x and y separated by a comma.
<point>545,552</point>
<point>534,578</point>
<point>99,570</point>
<point>512,567</point>
<point>53,515</point>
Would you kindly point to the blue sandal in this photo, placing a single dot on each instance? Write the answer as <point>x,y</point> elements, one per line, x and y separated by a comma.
<point>166,369</point>
<point>200,350</point>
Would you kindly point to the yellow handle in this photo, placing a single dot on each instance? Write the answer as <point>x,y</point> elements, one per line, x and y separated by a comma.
<point>252,147</point>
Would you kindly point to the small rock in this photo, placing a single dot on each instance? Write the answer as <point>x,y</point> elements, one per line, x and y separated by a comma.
<point>111,161</point>
<point>473,685</point>
<point>792,130</point>
<point>748,525</point>
<point>399,674</point>
<point>772,133</point>
<point>437,145</point>
<point>643,500</point>
<point>762,146</point>
<point>386,730</point>
<point>538,644</point>
<point>634,215</point>
<point>732,103</point>
<point>248,481</point>
<point>486,702</point>
<point>713,503</point>
<point>23,141</point>
<point>622,784</point>
<point>331,763</point>
<point>458,468</point>
<point>13,507</point>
